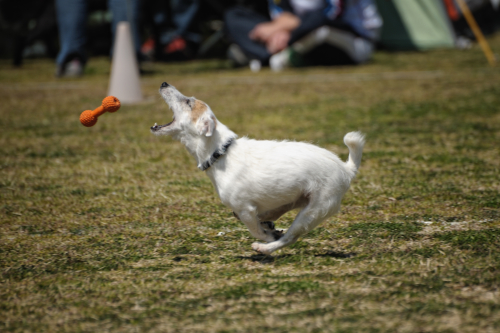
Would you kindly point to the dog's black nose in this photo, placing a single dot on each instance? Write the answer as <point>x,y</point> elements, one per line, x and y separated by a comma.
<point>164,84</point>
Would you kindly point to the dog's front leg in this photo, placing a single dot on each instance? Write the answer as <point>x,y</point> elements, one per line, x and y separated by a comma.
<point>249,218</point>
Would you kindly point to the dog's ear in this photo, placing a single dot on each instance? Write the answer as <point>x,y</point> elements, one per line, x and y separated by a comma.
<point>206,124</point>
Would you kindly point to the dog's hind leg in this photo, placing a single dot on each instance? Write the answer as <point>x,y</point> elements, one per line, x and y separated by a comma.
<point>306,220</point>
<point>274,214</point>
<point>267,218</point>
<point>269,228</point>
<point>249,218</point>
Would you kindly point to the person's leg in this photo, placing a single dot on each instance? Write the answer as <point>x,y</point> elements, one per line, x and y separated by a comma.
<point>183,13</point>
<point>126,10</point>
<point>319,41</point>
<point>72,21</point>
<point>357,49</point>
<point>174,39</point>
<point>239,22</point>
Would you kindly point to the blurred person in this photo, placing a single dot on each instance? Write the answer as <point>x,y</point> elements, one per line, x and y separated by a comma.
<point>256,38</point>
<point>29,27</point>
<point>171,21</point>
<point>72,22</point>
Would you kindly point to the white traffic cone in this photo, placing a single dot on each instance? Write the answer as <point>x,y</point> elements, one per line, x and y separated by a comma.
<point>124,82</point>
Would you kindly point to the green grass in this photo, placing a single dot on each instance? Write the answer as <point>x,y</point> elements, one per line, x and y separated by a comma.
<point>110,228</point>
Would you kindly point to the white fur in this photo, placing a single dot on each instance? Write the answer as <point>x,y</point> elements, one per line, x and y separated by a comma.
<point>261,180</point>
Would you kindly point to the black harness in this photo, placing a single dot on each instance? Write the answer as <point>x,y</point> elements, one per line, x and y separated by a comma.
<point>216,155</point>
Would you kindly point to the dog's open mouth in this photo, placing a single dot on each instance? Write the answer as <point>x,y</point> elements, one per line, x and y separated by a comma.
<point>157,127</point>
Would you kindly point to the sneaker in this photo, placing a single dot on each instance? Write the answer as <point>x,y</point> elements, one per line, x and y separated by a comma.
<point>280,60</point>
<point>176,45</point>
<point>255,65</point>
<point>286,58</point>
<point>72,68</point>
<point>236,54</point>
<point>148,48</point>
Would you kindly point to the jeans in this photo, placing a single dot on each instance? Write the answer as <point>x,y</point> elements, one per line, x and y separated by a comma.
<point>72,21</point>
<point>182,14</point>
<point>240,21</point>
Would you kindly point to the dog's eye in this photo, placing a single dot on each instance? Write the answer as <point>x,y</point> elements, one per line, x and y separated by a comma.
<point>188,102</point>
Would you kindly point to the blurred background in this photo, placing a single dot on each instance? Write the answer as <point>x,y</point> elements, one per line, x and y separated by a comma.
<point>170,30</point>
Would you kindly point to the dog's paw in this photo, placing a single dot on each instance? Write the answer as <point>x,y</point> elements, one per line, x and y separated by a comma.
<point>267,225</point>
<point>277,234</point>
<point>261,248</point>
<point>270,229</point>
<point>257,247</point>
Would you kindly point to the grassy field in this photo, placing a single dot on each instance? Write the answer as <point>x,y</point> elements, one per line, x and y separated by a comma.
<point>111,229</point>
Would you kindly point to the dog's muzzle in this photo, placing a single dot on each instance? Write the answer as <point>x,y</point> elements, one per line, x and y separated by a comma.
<point>157,127</point>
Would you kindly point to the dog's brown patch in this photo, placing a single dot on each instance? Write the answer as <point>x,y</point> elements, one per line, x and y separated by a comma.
<point>198,109</point>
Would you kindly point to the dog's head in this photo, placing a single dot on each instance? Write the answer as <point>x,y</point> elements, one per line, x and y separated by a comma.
<point>191,116</point>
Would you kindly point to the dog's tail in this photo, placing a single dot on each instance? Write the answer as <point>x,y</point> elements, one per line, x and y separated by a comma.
<point>355,142</point>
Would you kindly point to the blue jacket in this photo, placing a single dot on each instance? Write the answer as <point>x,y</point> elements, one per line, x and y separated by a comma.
<point>359,16</point>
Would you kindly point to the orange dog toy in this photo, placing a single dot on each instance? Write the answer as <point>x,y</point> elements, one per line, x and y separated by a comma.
<point>109,104</point>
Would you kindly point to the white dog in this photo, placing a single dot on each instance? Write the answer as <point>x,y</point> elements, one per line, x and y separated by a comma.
<point>262,180</point>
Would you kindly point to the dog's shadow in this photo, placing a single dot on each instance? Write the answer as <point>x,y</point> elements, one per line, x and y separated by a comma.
<point>338,255</point>
<point>267,259</point>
